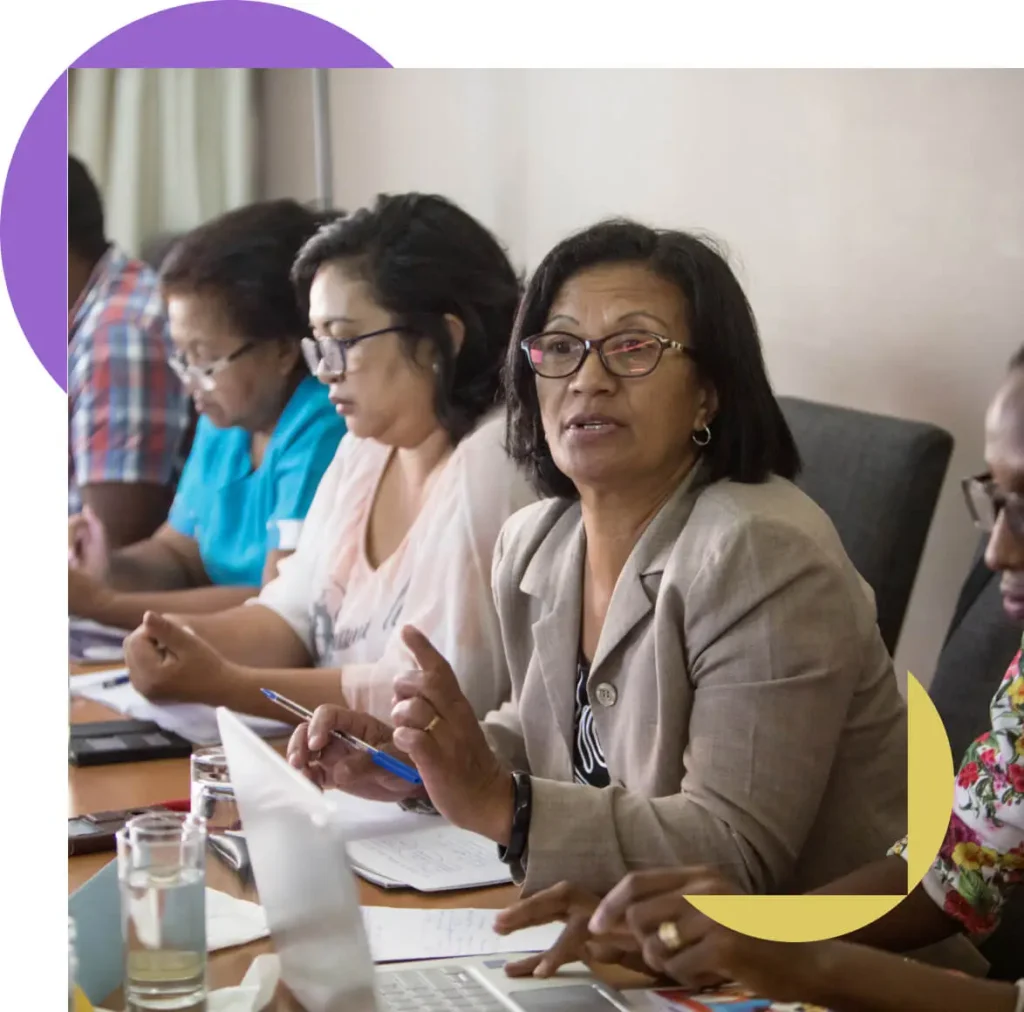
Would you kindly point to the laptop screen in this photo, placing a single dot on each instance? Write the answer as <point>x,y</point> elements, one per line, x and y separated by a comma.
<point>302,874</point>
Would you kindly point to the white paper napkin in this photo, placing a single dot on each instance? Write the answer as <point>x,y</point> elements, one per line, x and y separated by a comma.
<point>231,921</point>
<point>254,993</point>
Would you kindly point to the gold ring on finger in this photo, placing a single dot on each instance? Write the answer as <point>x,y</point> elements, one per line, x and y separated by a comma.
<point>668,935</point>
<point>434,721</point>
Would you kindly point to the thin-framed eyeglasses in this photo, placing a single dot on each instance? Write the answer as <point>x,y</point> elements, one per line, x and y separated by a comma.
<point>986,501</point>
<point>205,376</point>
<point>333,351</point>
<point>555,354</point>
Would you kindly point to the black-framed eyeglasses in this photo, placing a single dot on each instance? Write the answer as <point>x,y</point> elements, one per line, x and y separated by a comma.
<point>205,376</point>
<point>333,351</point>
<point>985,502</point>
<point>555,354</point>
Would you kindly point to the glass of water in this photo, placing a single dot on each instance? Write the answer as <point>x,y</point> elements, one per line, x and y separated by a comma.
<point>161,867</point>
<point>213,797</point>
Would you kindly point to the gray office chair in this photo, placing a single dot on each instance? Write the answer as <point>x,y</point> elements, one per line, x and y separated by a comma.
<point>878,479</point>
<point>979,646</point>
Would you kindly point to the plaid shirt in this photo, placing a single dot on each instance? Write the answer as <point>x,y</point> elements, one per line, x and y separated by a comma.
<point>128,412</point>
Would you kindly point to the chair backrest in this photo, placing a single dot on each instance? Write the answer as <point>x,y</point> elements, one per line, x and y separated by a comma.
<point>980,644</point>
<point>878,478</point>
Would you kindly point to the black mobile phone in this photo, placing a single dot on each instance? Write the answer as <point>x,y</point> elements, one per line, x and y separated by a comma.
<point>90,834</point>
<point>123,741</point>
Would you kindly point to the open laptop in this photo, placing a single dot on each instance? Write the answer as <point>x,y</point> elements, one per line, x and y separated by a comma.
<point>296,841</point>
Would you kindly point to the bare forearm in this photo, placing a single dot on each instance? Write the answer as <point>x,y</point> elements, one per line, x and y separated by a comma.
<point>916,922</point>
<point>124,610</point>
<point>252,635</point>
<point>854,978</point>
<point>148,565</point>
<point>239,689</point>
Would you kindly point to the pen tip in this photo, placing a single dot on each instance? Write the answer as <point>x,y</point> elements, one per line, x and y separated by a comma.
<point>268,693</point>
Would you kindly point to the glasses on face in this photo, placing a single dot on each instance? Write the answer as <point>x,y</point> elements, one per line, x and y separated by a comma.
<point>205,376</point>
<point>629,353</point>
<point>333,351</point>
<point>986,502</point>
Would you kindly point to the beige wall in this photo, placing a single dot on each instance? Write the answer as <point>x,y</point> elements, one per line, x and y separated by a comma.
<point>876,218</point>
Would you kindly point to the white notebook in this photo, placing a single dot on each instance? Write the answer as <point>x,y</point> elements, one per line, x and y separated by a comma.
<point>395,848</point>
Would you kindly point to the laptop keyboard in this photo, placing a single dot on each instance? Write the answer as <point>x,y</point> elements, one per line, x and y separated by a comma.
<point>435,989</point>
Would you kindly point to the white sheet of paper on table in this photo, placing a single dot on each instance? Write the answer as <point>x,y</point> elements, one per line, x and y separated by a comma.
<point>398,934</point>
<point>195,722</point>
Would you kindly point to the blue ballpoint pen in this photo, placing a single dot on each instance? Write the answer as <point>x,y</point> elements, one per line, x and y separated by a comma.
<point>382,759</point>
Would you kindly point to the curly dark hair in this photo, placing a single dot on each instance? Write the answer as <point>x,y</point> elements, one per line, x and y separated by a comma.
<point>424,258</point>
<point>750,437</point>
<point>244,258</point>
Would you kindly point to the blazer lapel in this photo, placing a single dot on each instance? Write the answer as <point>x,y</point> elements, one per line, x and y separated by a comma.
<point>632,600</point>
<point>555,576</point>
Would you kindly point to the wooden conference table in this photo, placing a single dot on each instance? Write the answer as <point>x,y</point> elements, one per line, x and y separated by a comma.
<point>127,785</point>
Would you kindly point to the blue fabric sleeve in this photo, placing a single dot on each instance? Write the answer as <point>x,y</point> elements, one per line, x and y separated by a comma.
<point>300,467</point>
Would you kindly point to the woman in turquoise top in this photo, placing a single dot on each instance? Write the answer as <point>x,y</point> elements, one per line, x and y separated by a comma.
<point>266,432</point>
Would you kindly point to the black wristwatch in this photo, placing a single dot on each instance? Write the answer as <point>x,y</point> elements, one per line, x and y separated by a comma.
<point>522,800</point>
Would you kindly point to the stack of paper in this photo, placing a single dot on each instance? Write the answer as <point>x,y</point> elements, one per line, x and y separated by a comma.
<point>92,643</point>
<point>394,848</point>
<point>195,722</point>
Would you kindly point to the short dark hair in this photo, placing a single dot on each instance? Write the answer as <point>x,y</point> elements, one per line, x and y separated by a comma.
<point>750,438</point>
<point>1017,361</point>
<point>244,259</point>
<point>423,257</point>
<point>86,230</point>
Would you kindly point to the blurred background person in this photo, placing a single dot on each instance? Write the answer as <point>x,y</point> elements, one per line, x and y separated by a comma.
<point>128,413</point>
<point>267,430</point>
<point>411,303</point>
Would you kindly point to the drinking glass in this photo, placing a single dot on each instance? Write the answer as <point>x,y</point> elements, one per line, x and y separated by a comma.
<point>213,797</point>
<point>161,867</point>
<point>72,965</point>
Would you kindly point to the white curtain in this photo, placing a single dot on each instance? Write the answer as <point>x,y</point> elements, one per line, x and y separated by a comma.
<point>168,148</point>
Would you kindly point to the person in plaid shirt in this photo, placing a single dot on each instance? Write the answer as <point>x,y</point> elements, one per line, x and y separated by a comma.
<point>127,411</point>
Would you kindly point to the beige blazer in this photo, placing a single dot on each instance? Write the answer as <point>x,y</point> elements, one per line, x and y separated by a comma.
<point>745,703</point>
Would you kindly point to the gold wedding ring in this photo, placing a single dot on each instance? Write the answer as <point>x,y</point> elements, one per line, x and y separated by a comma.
<point>434,721</point>
<point>668,935</point>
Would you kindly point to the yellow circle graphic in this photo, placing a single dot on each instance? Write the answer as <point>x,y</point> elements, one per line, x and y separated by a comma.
<point>929,804</point>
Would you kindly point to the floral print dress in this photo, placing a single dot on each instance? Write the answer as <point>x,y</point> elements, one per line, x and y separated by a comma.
<point>982,856</point>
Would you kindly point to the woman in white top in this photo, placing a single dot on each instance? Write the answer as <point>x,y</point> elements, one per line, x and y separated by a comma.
<point>411,303</point>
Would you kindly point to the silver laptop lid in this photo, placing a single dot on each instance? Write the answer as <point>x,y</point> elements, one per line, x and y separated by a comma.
<point>302,874</point>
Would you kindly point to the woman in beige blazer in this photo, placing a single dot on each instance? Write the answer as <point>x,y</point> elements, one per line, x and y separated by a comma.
<point>697,674</point>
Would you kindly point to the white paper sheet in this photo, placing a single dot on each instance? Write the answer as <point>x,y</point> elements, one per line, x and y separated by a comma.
<point>398,934</point>
<point>421,851</point>
<point>195,722</point>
